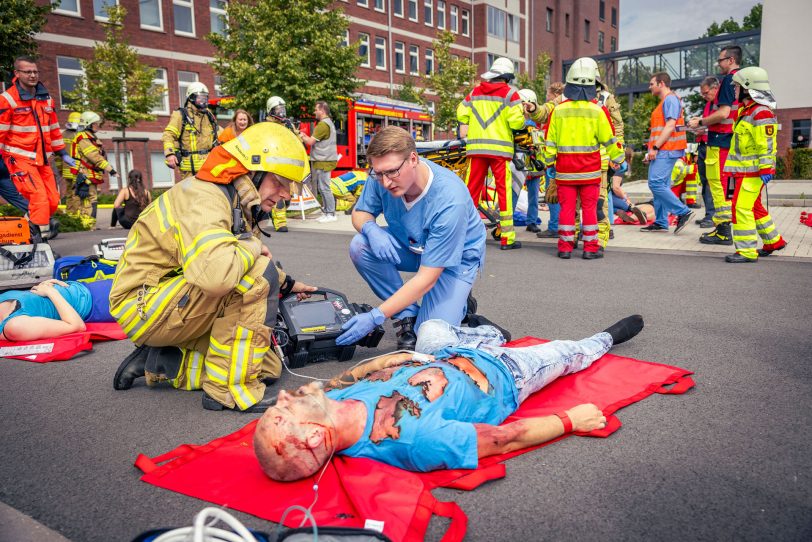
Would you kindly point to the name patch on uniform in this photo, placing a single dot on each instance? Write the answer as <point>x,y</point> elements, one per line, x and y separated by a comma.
<point>770,129</point>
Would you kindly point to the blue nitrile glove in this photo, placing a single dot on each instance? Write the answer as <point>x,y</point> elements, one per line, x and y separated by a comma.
<point>67,158</point>
<point>359,326</point>
<point>382,243</point>
<point>766,178</point>
<point>622,168</point>
<point>550,173</point>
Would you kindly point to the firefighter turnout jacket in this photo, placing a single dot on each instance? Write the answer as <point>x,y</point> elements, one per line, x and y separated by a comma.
<point>189,278</point>
<point>753,149</point>
<point>190,135</point>
<point>492,111</point>
<point>91,160</point>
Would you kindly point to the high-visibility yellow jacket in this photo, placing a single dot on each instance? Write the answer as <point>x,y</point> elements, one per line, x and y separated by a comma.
<point>191,134</point>
<point>67,136</point>
<point>753,148</point>
<point>492,111</point>
<point>90,157</point>
<point>183,236</point>
<point>575,134</point>
<point>682,171</point>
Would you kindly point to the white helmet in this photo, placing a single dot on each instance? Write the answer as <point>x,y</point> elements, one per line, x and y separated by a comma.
<point>88,118</point>
<point>273,101</point>
<point>196,88</point>
<point>755,80</point>
<point>583,71</point>
<point>501,66</point>
<point>528,95</point>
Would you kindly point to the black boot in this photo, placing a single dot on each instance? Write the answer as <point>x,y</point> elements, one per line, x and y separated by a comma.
<point>738,258</point>
<point>625,329</point>
<point>407,339</point>
<point>131,368</point>
<point>592,255</point>
<point>470,308</point>
<point>54,228</point>
<point>165,361</point>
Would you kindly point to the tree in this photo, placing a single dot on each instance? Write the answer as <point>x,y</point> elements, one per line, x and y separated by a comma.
<point>637,121</point>
<point>288,48</point>
<point>539,83</point>
<point>20,20</point>
<point>452,81</point>
<point>116,84</point>
<point>408,91</point>
<point>751,21</point>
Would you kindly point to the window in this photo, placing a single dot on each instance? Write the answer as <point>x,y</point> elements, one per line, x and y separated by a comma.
<point>100,8</point>
<point>397,7</point>
<point>68,7</point>
<point>465,17</point>
<point>363,49</point>
<point>160,81</point>
<point>586,30</point>
<point>219,22</point>
<point>496,22</point>
<point>429,62</point>
<point>162,176</point>
<point>800,133</point>
<point>441,14</point>
<point>184,80</point>
<point>363,3</point>
<point>614,17</point>
<point>600,41</point>
<point>69,71</point>
<point>218,86</point>
<point>151,16</point>
<point>414,60</point>
<point>412,10</point>
<point>612,44</point>
<point>513,28</point>
<point>428,12</point>
<point>567,24</point>
<point>346,41</point>
<point>184,17</point>
<point>400,52</point>
<point>602,10</point>
<point>549,20</point>
<point>380,53</point>
<point>380,5</point>
<point>453,24</point>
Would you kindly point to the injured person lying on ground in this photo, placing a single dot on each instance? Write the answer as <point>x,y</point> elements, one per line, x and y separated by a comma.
<point>53,308</point>
<point>437,409</point>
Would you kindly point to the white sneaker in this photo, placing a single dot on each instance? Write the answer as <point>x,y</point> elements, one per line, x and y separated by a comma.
<point>327,218</point>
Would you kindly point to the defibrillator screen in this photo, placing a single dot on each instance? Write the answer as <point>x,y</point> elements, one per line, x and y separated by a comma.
<point>314,314</point>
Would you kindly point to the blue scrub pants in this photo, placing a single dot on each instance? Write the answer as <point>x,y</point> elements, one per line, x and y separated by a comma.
<point>532,184</point>
<point>659,182</point>
<point>447,300</point>
<point>555,210</point>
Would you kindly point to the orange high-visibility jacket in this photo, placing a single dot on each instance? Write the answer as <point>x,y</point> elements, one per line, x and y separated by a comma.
<point>677,141</point>
<point>28,125</point>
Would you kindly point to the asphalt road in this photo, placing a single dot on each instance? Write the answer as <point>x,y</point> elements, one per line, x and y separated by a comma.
<point>728,460</point>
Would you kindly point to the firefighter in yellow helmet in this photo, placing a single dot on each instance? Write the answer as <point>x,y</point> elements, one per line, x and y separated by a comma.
<point>91,163</point>
<point>192,131</point>
<point>68,134</point>
<point>196,289</point>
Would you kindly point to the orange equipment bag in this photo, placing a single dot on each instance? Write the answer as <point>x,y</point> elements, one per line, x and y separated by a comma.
<point>14,231</point>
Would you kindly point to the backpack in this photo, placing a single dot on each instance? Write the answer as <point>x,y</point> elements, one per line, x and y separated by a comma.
<point>84,268</point>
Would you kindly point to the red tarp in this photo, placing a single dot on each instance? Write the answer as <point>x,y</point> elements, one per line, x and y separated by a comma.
<point>352,490</point>
<point>61,348</point>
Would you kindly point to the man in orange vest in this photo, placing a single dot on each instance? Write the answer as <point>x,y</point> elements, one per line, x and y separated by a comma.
<point>29,134</point>
<point>666,145</point>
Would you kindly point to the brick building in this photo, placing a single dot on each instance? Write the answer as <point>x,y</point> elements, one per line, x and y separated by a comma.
<point>395,36</point>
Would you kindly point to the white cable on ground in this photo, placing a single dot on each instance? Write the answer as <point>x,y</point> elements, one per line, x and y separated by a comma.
<point>204,531</point>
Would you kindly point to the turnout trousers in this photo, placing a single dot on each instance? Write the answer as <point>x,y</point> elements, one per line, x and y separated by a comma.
<point>225,341</point>
<point>714,168</point>
<point>568,195</point>
<point>475,179</point>
<point>751,220</point>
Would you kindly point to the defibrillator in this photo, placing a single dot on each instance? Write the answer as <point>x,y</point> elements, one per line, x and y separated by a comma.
<point>307,329</point>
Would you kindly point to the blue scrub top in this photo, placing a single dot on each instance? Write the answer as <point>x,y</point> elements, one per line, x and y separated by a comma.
<point>443,222</point>
<point>76,294</point>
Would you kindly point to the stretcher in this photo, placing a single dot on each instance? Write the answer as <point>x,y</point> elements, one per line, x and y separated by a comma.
<point>354,492</point>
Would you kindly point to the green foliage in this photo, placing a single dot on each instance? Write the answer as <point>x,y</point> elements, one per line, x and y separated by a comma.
<point>288,48</point>
<point>9,210</point>
<point>409,92</point>
<point>69,222</point>
<point>539,83</point>
<point>453,80</point>
<point>20,20</point>
<point>637,122</point>
<point>116,84</point>
<point>751,21</point>
<point>639,168</point>
<point>796,164</point>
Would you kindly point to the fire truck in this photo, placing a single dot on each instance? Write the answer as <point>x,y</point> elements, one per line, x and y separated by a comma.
<point>357,120</point>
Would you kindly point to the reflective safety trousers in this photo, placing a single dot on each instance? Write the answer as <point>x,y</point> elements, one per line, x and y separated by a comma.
<point>186,280</point>
<point>753,148</point>
<point>750,219</point>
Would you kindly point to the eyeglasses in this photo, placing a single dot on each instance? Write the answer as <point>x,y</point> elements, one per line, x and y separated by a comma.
<point>720,60</point>
<point>391,174</point>
<point>28,72</point>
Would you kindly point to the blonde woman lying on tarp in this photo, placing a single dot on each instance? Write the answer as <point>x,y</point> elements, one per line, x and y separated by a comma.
<point>440,409</point>
<point>53,308</point>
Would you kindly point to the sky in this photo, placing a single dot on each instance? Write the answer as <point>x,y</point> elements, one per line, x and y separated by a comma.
<point>644,23</point>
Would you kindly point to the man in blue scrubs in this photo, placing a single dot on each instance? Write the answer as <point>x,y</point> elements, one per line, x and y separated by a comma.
<point>432,229</point>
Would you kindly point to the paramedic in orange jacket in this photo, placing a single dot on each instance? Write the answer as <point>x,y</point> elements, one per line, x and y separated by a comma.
<point>29,134</point>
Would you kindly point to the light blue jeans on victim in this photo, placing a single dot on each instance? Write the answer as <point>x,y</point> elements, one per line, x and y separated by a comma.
<point>532,367</point>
